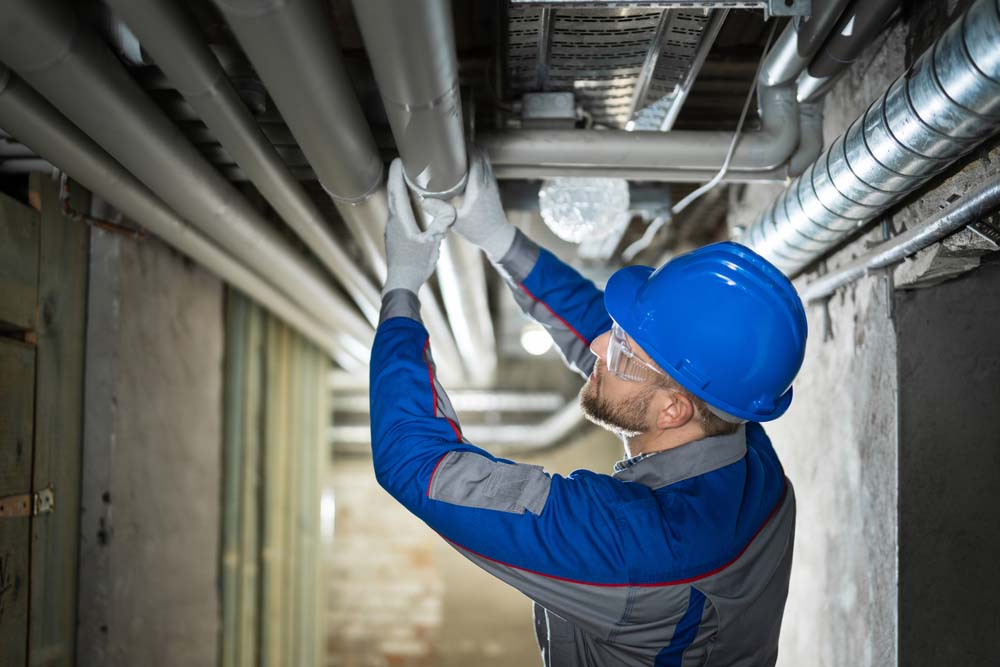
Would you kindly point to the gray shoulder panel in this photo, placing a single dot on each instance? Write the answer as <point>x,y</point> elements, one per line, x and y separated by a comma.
<point>472,480</point>
<point>400,303</point>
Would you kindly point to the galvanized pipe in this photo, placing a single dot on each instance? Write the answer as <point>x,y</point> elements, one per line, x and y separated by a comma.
<point>292,48</point>
<point>411,46</point>
<point>75,71</point>
<point>33,120</point>
<point>944,106</point>
<point>604,151</point>
<point>168,32</point>
<point>970,208</point>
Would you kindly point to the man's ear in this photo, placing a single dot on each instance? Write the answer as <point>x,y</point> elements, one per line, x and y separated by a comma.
<point>676,410</point>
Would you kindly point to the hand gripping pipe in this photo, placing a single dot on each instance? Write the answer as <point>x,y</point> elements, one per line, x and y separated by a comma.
<point>31,119</point>
<point>46,44</point>
<point>167,31</point>
<point>292,47</point>
<point>945,105</point>
<point>411,46</point>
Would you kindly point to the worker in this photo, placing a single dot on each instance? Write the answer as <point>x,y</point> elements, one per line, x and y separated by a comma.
<point>682,555</point>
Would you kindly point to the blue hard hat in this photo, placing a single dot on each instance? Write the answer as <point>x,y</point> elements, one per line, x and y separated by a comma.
<point>722,321</point>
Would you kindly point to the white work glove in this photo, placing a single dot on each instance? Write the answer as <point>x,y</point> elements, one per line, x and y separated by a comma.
<point>411,254</point>
<point>481,219</point>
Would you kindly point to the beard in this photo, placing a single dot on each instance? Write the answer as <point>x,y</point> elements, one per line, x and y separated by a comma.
<point>626,419</point>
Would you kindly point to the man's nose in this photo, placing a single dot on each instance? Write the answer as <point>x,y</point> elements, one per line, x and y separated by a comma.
<point>599,346</point>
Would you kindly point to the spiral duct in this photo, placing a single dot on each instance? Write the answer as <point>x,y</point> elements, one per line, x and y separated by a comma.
<point>945,105</point>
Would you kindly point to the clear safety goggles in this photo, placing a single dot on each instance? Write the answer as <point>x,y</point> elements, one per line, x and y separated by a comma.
<point>622,361</point>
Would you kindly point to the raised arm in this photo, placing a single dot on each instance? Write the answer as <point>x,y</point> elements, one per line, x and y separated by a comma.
<point>551,537</point>
<point>550,291</point>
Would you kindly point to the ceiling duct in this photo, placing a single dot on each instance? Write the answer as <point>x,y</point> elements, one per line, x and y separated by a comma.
<point>945,105</point>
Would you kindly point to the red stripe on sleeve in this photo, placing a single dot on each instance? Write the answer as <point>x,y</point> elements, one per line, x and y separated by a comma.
<point>554,314</point>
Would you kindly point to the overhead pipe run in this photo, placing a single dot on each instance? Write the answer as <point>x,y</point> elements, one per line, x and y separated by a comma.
<point>292,47</point>
<point>790,139</point>
<point>167,31</point>
<point>33,120</point>
<point>46,44</point>
<point>411,46</point>
<point>602,152</point>
<point>944,106</point>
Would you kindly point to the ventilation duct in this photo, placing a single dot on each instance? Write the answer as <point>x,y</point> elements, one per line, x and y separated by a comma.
<point>943,107</point>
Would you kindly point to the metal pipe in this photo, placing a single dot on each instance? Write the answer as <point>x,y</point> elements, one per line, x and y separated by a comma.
<point>292,47</point>
<point>783,62</point>
<point>411,46</point>
<point>468,401</point>
<point>606,150</point>
<point>810,137</point>
<point>522,172</point>
<point>971,207</point>
<point>857,27</point>
<point>168,32</point>
<point>944,106</point>
<point>75,71</point>
<point>506,439</point>
<point>33,120</point>
<point>26,166</point>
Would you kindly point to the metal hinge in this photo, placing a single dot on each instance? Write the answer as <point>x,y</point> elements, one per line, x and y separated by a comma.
<point>28,504</point>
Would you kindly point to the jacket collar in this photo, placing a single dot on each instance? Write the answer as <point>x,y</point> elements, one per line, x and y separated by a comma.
<point>696,458</point>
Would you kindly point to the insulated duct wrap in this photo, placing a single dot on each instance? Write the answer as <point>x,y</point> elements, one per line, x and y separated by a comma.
<point>943,107</point>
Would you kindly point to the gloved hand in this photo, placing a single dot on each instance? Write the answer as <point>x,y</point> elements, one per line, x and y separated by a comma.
<point>411,254</point>
<point>481,219</point>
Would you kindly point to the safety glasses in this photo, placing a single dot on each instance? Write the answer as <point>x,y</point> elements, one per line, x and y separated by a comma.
<point>622,361</point>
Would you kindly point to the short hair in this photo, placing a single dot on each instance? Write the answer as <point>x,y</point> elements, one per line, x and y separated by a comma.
<point>711,423</point>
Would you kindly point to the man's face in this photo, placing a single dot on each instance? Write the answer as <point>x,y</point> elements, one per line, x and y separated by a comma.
<point>620,406</point>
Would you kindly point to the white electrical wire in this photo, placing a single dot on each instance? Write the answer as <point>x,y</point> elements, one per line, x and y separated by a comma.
<point>686,201</point>
<point>634,248</point>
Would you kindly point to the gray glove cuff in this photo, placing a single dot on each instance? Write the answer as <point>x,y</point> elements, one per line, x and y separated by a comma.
<point>397,282</point>
<point>499,241</point>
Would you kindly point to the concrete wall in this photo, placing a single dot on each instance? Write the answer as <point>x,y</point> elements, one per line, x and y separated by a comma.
<point>152,452</point>
<point>399,595</point>
<point>949,474</point>
<point>840,440</point>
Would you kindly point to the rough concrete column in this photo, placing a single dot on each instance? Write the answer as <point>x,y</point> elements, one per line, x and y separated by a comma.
<point>152,458</point>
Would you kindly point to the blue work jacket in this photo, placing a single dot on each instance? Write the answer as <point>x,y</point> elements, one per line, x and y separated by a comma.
<point>676,559</point>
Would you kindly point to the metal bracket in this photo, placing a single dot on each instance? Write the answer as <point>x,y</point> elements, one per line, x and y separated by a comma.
<point>988,228</point>
<point>28,504</point>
